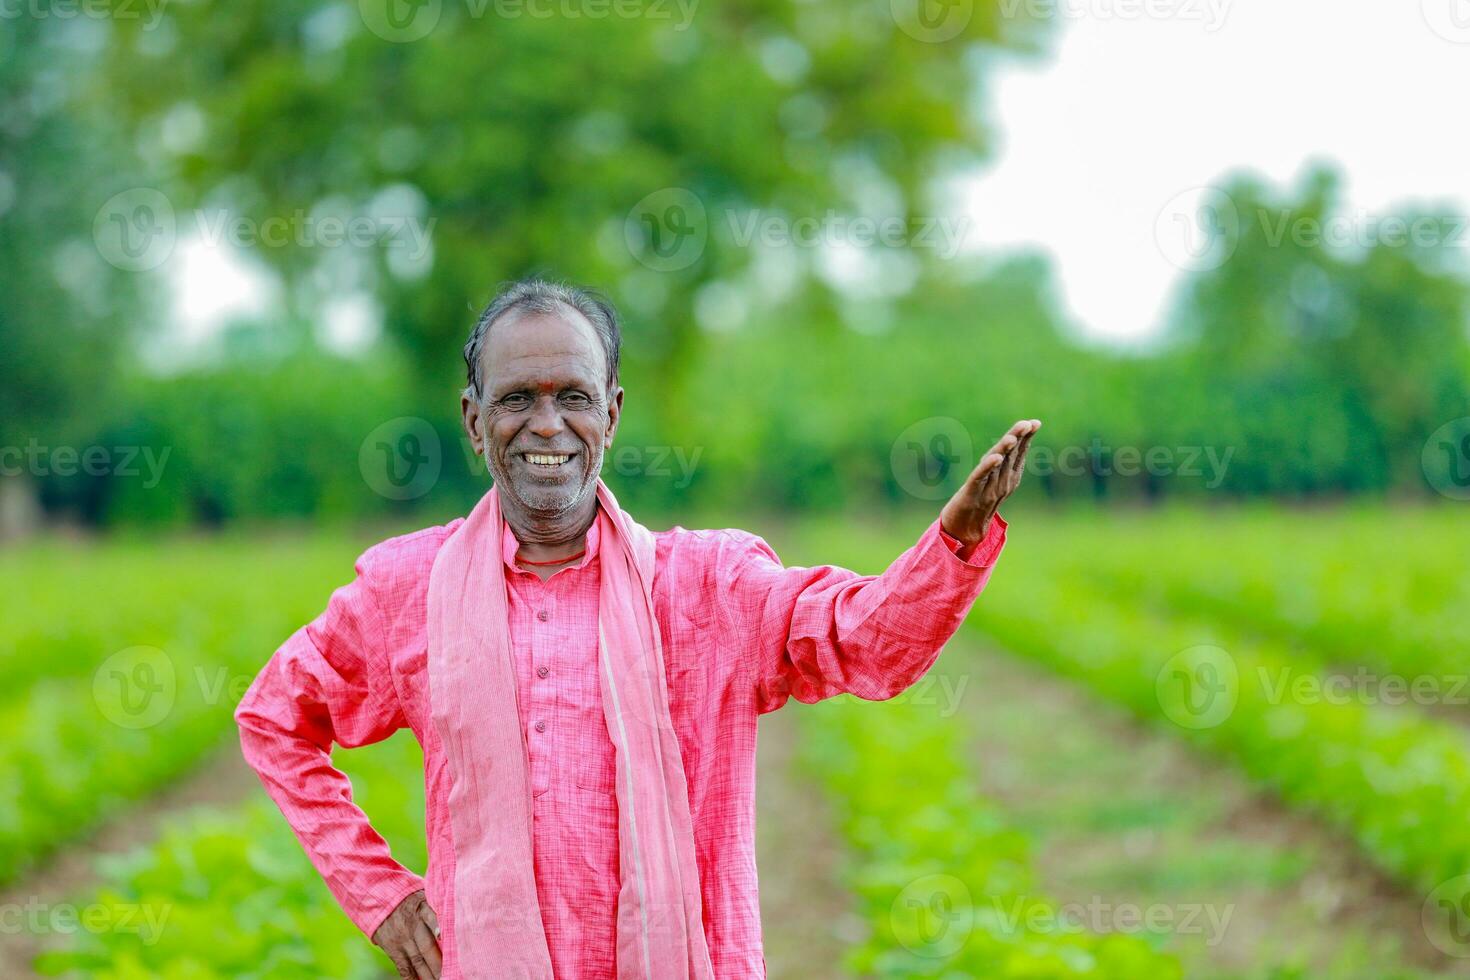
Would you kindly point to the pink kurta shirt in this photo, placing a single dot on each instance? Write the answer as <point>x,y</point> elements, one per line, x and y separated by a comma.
<point>741,634</point>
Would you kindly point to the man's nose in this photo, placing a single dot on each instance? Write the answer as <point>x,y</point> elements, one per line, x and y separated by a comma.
<point>546,418</point>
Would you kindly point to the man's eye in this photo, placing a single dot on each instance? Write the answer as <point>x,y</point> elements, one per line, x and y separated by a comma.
<point>575,399</point>
<point>515,401</point>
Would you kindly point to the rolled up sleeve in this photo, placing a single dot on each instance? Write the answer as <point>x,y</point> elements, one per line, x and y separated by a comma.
<point>813,633</point>
<point>329,683</point>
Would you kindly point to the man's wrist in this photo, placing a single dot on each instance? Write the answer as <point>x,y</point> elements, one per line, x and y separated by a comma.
<point>981,552</point>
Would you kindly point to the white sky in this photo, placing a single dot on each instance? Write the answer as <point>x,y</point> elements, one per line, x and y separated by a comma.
<point>1133,111</point>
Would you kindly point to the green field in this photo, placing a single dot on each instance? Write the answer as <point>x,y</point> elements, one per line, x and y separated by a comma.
<point>1167,743</point>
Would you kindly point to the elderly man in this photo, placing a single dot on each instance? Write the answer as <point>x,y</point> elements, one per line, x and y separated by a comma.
<point>585,691</point>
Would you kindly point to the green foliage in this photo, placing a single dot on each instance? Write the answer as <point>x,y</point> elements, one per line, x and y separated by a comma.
<point>236,896</point>
<point>210,612</point>
<point>1394,778</point>
<point>945,885</point>
<point>527,139</point>
<point>64,312</point>
<point>1332,363</point>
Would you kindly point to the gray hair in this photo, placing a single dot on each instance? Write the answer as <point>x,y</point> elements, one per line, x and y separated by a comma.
<point>545,296</point>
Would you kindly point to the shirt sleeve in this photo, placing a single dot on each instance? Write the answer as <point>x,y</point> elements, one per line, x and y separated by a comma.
<point>813,633</point>
<point>329,683</point>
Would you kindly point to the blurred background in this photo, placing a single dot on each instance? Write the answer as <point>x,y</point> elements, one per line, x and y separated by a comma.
<point>1209,718</point>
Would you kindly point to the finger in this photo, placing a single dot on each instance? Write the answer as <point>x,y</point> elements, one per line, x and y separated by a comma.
<point>980,476</point>
<point>428,948</point>
<point>430,919</point>
<point>1015,460</point>
<point>1005,443</point>
<point>400,963</point>
<point>420,966</point>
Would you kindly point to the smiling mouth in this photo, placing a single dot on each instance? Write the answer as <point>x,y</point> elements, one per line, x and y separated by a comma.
<point>546,461</point>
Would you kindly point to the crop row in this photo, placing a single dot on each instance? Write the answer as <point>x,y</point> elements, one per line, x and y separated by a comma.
<point>944,884</point>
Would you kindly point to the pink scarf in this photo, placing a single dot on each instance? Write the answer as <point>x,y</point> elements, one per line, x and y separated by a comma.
<point>472,685</point>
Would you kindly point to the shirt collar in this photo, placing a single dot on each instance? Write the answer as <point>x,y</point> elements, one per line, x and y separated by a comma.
<point>510,544</point>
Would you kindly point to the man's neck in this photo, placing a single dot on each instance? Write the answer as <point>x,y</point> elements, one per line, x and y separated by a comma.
<point>549,537</point>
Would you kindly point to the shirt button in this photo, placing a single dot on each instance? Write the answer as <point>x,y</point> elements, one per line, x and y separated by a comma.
<point>540,726</point>
<point>543,615</point>
<point>542,671</point>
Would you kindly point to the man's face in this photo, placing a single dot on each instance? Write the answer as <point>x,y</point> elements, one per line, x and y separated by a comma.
<point>545,416</point>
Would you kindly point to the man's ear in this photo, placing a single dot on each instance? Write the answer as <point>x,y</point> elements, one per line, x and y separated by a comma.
<point>614,414</point>
<point>469,411</point>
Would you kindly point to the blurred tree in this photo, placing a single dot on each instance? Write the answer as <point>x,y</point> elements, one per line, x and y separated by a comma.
<point>623,144</point>
<point>63,311</point>
<point>1329,344</point>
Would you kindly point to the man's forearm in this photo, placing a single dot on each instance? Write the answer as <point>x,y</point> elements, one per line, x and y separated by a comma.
<point>289,747</point>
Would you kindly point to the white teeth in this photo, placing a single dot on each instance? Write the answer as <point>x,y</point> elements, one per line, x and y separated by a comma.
<point>546,460</point>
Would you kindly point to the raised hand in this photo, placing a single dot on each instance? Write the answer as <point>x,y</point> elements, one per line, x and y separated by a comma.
<point>968,513</point>
<point>410,938</point>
